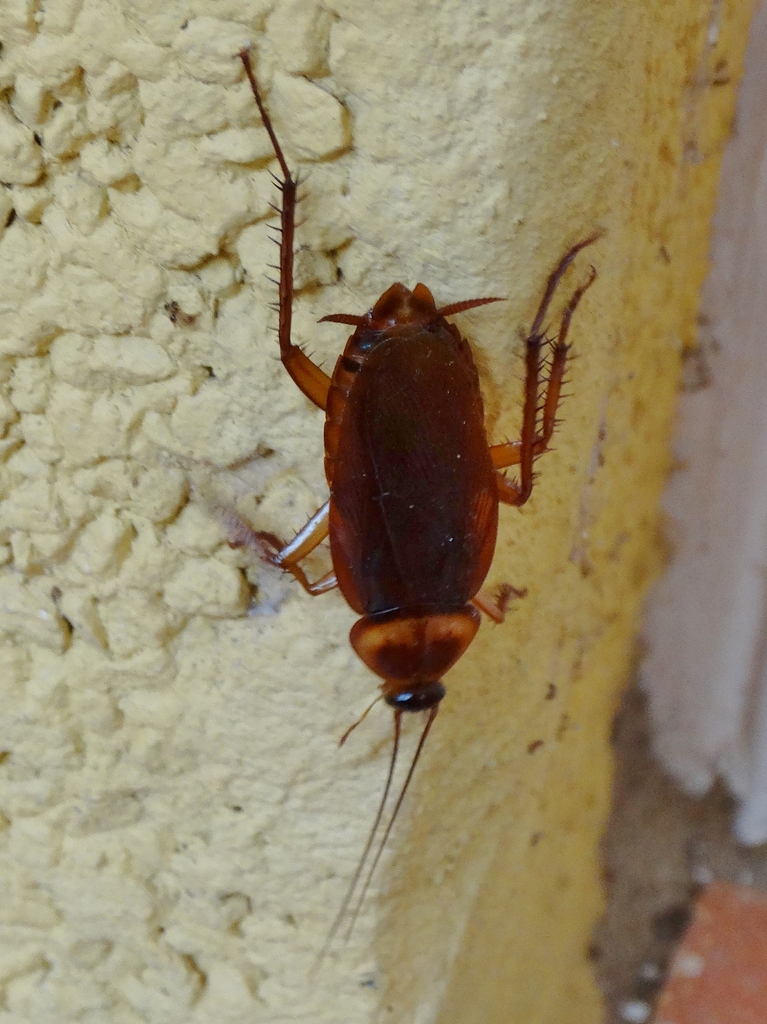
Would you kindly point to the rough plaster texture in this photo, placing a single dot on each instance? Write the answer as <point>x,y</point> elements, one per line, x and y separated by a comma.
<point>178,826</point>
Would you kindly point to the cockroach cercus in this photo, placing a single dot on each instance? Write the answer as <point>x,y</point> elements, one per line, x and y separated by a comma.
<point>414,485</point>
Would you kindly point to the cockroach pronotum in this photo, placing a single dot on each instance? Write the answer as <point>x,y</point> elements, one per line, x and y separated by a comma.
<point>414,485</point>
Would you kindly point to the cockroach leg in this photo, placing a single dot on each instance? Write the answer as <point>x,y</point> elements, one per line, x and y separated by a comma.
<point>306,374</point>
<point>511,453</point>
<point>539,420</point>
<point>269,549</point>
<point>558,362</point>
<point>555,277</point>
<point>496,605</point>
<point>321,586</point>
<point>507,454</point>
<point>304,542</point>
<point>285,556</point>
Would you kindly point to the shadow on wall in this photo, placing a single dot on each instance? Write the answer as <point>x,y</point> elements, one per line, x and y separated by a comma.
<point>706,624</point>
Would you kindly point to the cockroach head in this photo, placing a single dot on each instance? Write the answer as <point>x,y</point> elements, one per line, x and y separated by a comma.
<point>398,305</point>
<point>425,697</point>
<point>412,651</point>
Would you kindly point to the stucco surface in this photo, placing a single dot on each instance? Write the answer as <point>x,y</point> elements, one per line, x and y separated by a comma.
<point>178,825</point>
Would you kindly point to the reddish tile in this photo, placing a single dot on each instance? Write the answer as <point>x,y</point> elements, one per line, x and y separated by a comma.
<point>719,973</point>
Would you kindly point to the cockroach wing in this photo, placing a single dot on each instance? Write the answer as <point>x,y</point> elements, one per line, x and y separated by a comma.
<point>414,505</point>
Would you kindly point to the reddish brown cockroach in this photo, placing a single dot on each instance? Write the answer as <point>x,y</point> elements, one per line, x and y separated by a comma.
<point>414,486</point>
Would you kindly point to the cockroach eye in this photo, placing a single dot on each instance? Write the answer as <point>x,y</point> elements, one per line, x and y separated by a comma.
<point>418,700</point>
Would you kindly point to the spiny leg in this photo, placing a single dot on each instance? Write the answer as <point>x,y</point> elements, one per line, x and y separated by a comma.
<point>306,374</point>
<point>495,605</point>
<point>535,441</point>
<point>304,542</point>
<point>513,452</point>
<point>555,277</point>
<point>286,556</point>
<point>314,587</point>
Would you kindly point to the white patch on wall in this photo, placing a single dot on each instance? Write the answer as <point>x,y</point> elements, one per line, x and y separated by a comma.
<point>706,624</point>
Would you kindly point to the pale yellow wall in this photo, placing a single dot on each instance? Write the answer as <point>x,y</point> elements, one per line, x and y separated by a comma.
<point>179,823</point>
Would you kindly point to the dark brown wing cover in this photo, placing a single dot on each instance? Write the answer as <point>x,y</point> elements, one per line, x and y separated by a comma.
<point>414,505</point>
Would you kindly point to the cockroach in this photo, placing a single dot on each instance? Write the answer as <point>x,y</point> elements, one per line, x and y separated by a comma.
<point>414,485</point>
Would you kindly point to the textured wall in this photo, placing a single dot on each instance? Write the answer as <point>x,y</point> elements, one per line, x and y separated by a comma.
<point>178,824</point>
